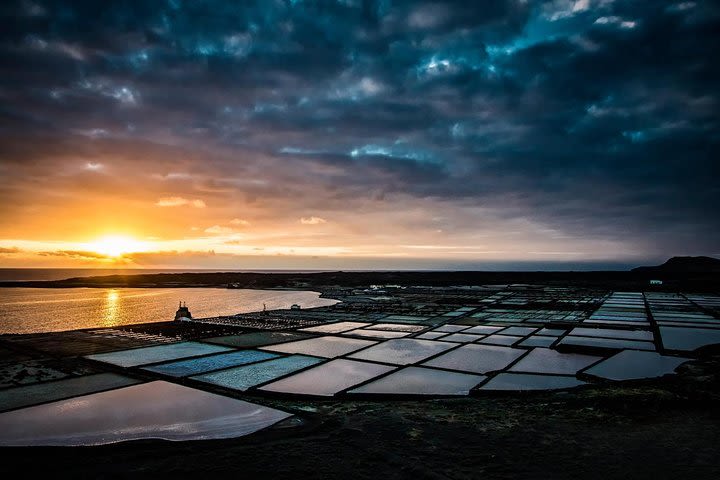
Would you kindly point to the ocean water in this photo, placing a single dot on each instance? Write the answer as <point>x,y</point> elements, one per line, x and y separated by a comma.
<point>34,310</point>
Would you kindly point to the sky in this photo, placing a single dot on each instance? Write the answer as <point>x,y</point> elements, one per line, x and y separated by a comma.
<point>358,134</point>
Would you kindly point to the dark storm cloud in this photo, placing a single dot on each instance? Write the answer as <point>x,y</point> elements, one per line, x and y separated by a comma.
<point>596,117</point>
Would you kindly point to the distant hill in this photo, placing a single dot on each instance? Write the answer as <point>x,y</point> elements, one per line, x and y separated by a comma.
<point>684,265</point>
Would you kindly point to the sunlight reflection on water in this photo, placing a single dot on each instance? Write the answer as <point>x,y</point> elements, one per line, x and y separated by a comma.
<point>111,308</point>
<point>29,310</point>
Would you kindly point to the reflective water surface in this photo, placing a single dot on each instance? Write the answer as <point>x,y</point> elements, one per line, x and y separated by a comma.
<point>328,347</point>
<point>402,351</point>
<point>32,310</point>
<point>629,365</point>
<point>242,378</point>
<point>155,410</point>
<point>329,378</point>
<point>157,353</point>
<point>523,381</point>
<point>422,381</point>
<point>196,366</point>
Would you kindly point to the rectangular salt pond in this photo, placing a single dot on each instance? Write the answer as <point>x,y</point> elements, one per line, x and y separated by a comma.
<point>431,335</point>
<point>544,360</point>
<point>257,339</point>
<point>537,341</point>
<point>396,327</point>
<point>27,395</point>
<point>482,330</point>
<point>523,382</point>
<point>688,339</point>
<point>687,321</point>
<point>671,313</point>
<point>404,319</point>
<point>328,347</point>
<point>366,332</point>
<point>328,379</point>
<point>512,319</point>
<point>477,358</point>
<point>608,343</point>
<point>402,351</point>
<point>498,339</point>
<point>247,376</point>
<point>449,328</point>
<point>551,332</point>
<point>684,324</point>
<point>195,366</point>
<point>613,333</point>
<point>158,353</point>
<point>633,320</point>
<point>155,410</point>
<point>335,327</point>
<point>421,381</point>
<point>618,323</point>
<point>461,338</point>
<point>520,331</point>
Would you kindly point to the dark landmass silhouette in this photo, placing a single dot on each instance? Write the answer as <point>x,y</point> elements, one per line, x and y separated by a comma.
<point>690,274</point>
<point>684,264</point>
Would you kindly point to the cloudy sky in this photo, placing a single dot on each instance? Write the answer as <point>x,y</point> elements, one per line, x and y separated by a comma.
<point>358,133</point>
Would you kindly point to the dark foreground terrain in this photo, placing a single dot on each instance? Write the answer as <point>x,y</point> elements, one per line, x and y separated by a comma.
<point>665,428</point>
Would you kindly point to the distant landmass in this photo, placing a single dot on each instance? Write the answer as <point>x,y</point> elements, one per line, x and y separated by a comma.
<point>684,265</point>
<point>695,274</point>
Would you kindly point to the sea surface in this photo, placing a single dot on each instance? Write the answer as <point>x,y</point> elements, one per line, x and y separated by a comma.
<point>35,310</point>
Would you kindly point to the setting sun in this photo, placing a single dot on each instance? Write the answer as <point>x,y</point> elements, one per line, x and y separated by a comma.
<point>116,246</point>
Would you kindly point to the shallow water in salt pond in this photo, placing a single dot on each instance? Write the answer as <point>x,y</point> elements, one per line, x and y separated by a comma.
<point>33,310</point>
<point>152,410</point>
